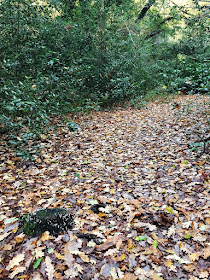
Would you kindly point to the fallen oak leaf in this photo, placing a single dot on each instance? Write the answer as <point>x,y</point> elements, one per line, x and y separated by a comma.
<point>49,268</point>
<point>73,246</point>
<point>171,231</point>
<point>200,238</point>
<point>15,261</point>
<point>177,258</point>
<point>204,274</point>
<point>147,225</point>
<point>78,267</point>
<point>46,236</point>
<point>120,258</point>
<point>37,276</point>
<point>110,242</point>
<point>58,255</point>
<point>38,252</point>
<point>17,271</point>
<point>128,276</point>
<point>168,263</point>
<point>84,257</point>
<point>194,256</point>
<point>105,246</point>
<point>113,273</point>
<point>2,236</point>
<point>206,252</point>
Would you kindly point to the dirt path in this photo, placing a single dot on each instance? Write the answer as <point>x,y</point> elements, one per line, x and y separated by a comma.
<point>150,192</point>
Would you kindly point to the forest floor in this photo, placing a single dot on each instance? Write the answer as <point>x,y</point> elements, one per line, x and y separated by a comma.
<point>135,187</point>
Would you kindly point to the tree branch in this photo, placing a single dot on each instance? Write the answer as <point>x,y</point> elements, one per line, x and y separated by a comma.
<point>143,12</point>
<point>158,30</point>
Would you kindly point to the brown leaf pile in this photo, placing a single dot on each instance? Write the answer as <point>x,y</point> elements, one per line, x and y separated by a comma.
<point>148,194</point>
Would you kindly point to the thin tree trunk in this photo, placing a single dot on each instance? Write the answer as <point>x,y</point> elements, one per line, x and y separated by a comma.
<point>101,41</point>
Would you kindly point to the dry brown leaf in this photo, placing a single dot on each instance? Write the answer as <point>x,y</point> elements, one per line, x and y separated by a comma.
<point>15,261</point>
<point>37,276</point>
<point>204,274</point>
<point>45,236</point>
<point>194,257</point>
<point>206,252</point>
<point>110,242</point>
<point>16,272</point>
<point>84,257</point>
<point>168,263</point>
<point>2,236</point>
<point>120,258</point>
<point>58,255</point>
<point>49,268</point>
<point>19,238</point>
<point>38,252</point>
<point>128,276</point>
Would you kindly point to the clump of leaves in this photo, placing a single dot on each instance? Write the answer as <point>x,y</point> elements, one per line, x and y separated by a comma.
<point>52,220</point>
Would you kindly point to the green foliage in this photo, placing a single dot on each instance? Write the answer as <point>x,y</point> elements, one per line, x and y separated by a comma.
<point>54,62</point>
<point>186,74</point>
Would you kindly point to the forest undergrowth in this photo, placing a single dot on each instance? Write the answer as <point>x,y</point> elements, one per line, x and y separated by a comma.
<point>136,182</point>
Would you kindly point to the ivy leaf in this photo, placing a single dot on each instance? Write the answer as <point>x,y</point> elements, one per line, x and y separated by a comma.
<point>188,236</point>
<point>37,262</point>
<point>155,244</point>
<point>141,238</point>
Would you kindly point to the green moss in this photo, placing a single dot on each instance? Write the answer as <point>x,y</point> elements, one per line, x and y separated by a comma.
<point>52,220</point>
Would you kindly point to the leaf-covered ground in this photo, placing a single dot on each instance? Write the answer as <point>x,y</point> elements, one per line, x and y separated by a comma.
<point>138,193</point>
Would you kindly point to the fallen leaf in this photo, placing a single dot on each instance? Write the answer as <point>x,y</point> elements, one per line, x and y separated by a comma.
<point>16,272</point>
<point>15,261</point>
<point>49,268</point>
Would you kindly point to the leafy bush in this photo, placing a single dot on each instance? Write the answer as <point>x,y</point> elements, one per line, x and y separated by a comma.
<point>54,60</point>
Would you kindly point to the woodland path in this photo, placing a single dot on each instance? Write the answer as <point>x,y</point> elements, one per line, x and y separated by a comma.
<point>152,191</point>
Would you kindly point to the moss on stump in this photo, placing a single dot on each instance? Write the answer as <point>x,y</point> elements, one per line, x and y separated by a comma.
<point>53,220</point>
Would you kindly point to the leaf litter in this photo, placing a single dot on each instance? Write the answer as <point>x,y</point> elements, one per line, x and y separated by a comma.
<point>138,193</point>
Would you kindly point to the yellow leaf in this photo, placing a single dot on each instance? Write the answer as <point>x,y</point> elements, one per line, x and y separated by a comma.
<point>84,257</point>
<point>168,263</point>
<point>15,230</point>
<point>120,258</point>
<point>58,255</point>
<point>45,236</point>
<point>19,238</point>
<point>112,191</point>
<point>42,136</point>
